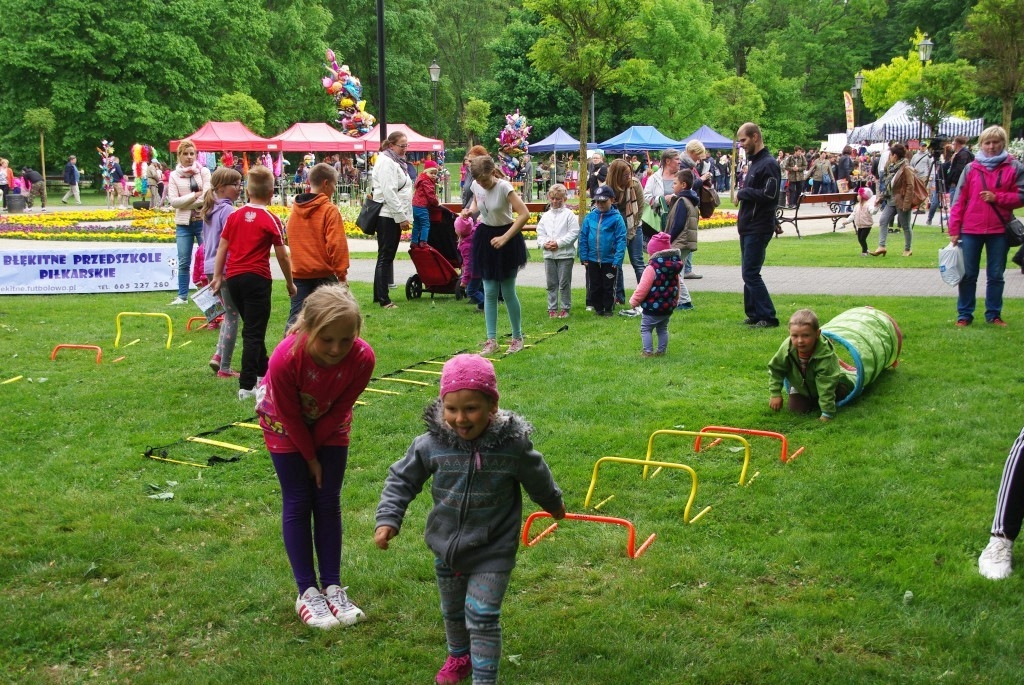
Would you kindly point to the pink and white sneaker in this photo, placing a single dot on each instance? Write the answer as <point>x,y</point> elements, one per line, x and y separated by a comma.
<point>515,346</point>
<point>215,363</point>
<point>455,669</point>
<point>490,347</point>
<point>341,606</point>
<point>312,608</point>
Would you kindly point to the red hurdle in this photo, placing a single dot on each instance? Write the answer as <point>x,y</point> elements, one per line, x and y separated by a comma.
<point>783,457</point>
<point>99,352</point>
<point>631,550</point>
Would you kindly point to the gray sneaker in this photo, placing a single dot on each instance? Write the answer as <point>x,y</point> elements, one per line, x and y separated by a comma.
<point>635,311</point>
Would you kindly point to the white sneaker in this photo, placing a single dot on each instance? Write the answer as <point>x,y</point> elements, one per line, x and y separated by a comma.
<point>313,610</point>
<point>996,561</point>
<point>246,394</point>
<point>344,610</point>
<point>177,301</point>
<point>490,347</point>
<point>634,311</point>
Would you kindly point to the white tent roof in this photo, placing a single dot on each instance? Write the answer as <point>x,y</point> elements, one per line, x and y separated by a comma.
<point>899,124</point>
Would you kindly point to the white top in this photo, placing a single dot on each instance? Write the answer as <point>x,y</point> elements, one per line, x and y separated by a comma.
<point>493,204</point>
<point>561,225</point>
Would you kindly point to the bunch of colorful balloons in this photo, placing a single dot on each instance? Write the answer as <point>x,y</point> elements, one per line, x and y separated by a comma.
<point>142,155</point>
<point>106,150</point>
<point>513,143</point>
<point>348,94</point>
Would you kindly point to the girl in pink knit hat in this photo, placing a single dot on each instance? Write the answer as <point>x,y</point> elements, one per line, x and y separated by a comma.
<point>480,458</point>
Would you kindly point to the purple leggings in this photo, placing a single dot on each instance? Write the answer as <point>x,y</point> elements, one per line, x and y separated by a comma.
<point>311,517</point>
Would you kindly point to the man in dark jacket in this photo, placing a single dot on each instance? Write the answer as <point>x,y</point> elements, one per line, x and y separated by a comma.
<point>71,177</point>
<point>759,198</point>
<point>38,188</point>
<point>961,158</point>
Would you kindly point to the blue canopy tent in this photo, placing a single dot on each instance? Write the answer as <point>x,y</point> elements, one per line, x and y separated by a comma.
<point>638,139</point>
<point>711,139</point>
<point>559,141</point>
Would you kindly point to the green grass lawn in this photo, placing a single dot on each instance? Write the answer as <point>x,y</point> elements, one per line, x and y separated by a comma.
<point>799,577</point>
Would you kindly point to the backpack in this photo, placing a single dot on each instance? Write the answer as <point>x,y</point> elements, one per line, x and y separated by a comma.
<point>709,201</point>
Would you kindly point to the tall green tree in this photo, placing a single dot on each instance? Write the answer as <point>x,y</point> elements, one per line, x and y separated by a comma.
<point>787,120</point>
<point>41,120</point>
<point>888,83</point>
<point>994,41</point>
<point>476,119</point>
<point>514,83</point>
<point>588,47</point>
<point>941,89</point>
<point>241,107</point>
<point>739,102</point>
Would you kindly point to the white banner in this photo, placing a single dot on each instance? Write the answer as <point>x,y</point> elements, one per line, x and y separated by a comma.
<point>88,270</point>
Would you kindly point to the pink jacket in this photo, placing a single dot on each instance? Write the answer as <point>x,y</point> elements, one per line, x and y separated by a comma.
<point>181,197</point>
<point>971,214</point>
<point>465,227</point>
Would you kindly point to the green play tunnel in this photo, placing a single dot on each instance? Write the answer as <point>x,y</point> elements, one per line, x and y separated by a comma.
<point>873,340</point>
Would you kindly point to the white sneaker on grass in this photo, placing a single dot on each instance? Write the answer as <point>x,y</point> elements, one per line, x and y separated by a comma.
<point>244,394</point>
<point>312,608</point>
<point>176,301</point>
<point>996,561</point>
<point>344,610</point>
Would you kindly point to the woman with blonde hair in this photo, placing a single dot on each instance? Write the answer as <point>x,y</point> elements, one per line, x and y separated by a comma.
<point>186,188</point>
<point>990,188</point>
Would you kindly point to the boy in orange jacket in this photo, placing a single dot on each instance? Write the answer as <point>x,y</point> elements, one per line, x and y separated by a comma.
<point>316,238</point>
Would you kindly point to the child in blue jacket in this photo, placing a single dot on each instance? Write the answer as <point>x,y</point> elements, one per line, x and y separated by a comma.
<point>602,246</point>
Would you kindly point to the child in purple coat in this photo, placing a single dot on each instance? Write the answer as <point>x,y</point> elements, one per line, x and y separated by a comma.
<point>465,227</point>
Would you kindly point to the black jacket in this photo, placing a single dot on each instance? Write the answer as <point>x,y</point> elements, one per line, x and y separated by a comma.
<point>759,196</point>
<point>956,167</point>
<point>33,176</point>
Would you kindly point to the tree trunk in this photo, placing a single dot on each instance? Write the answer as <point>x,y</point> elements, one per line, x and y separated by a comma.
<point>1007,114</point>
<point>581,185</point>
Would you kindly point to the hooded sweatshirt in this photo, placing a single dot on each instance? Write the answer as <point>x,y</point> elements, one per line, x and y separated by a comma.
<point>316,238</point>
<point>603,237</point>
<point>818,381</point>
<point>475,523</point>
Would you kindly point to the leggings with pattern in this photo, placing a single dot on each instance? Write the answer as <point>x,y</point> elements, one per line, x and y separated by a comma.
<point>471,608</point>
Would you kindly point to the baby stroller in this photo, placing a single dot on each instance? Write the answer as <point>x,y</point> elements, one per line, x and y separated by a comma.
<point>437,262</point>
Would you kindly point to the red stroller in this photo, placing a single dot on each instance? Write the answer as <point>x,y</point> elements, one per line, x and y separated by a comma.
<point>437,262</point>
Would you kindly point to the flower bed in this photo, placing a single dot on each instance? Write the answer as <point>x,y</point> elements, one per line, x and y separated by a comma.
<point>145,226</point>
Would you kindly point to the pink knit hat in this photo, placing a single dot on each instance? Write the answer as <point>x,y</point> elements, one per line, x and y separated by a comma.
<point>469,372</point>
<point>658,243</point>
<point>865,193</point>
<point>429,164</point>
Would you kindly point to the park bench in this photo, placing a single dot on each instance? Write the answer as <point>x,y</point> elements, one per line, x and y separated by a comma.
<point>834,206</point>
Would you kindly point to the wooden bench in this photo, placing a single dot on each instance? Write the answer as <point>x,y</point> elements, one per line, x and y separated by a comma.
<point>834,206</point>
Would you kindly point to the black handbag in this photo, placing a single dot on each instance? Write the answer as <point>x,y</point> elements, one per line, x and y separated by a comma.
<point>369,213</point>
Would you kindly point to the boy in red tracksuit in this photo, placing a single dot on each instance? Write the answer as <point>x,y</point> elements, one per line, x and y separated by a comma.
<point>425,206</point>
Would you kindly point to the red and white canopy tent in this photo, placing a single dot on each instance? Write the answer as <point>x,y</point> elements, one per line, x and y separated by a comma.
<point>417,142</point>
<point>222,136</point>
<point>317,137</point>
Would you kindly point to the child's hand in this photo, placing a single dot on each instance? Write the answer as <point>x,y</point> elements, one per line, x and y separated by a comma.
<point>215,285</point>
<point>775,403</point>
<point>382,535</point>
<point>292,290</point>
<point>316,471</point>
<point>560,514</point>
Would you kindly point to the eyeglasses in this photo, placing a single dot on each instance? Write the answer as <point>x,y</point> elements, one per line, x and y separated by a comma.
<point>403,145</point>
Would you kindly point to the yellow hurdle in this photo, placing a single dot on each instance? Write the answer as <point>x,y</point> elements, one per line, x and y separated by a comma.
<point>718,436</point>
<point>402,380</point>
<point>645,463</point>
<point>170,326</point>
<point>218,443</point>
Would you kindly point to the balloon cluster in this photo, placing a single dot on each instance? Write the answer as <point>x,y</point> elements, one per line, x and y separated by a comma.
<point>348,94</point>
<point>512,143</point>
<point>142,155</point>
<point>106,150</point>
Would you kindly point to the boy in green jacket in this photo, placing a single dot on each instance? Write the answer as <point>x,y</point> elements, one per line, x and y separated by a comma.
<point>810,364</point>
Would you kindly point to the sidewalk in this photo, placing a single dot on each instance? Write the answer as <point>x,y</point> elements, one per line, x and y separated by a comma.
<point>897,282</point>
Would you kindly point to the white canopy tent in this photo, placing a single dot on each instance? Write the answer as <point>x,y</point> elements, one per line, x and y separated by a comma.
<point>899,124</point>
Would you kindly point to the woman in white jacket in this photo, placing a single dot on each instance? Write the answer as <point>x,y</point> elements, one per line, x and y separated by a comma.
<point>393,187</point>
<point>186,187</point>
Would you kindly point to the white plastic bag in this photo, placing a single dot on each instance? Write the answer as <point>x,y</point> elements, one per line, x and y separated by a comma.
<point>951,264</point>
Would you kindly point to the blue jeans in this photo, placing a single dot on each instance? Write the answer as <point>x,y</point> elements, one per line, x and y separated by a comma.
<point>420,225</point>
<point>187,237</point>
<point>995,263</point>
<point>933,206</point>
<point>635,252</point>
<point>757,303</point>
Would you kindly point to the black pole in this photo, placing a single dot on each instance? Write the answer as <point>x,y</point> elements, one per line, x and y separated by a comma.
<point>434,84</point>
<point>382,86</point>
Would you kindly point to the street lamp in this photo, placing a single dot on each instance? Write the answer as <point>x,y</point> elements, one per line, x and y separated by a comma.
<point>435,76</point>
<point>858,80</point>
<point>924,49</point>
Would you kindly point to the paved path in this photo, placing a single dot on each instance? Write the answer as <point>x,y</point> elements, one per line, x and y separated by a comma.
<point>780,279</point>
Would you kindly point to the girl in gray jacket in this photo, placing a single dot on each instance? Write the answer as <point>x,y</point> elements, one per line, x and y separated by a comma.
<point>479,458</point>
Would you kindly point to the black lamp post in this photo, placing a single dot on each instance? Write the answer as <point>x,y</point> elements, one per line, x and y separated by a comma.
<point>435,76</point>
<point>855,91</point>
<point>924,51</point>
